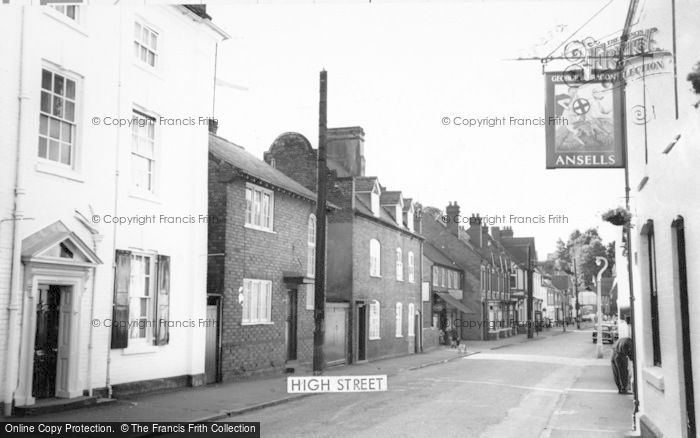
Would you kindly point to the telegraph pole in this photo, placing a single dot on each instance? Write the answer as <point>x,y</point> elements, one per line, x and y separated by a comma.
<point>578,319</point>
<point>320,283</point>
<point>529,294</point>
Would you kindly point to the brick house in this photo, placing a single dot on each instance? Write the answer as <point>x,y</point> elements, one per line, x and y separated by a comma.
<point>522,254</point>
<point>373,270</point>
<point>485,266</point>
<point>261,265</point>
<point>443,309</point>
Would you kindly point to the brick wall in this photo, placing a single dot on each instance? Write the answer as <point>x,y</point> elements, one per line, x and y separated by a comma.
<point>294,157</point>
<point>254,254</point>
<point>386,289</point>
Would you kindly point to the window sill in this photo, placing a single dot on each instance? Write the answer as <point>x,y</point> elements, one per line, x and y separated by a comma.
<point>148,69</point>
<point>375,276</point>
<point>258,323</point>
<point>654,376</point>
<point>139,348</point>
<point>399,336</point>
<point>413,336</point>
<point>264,230</point>
<point>143,195</point>
<point>374,339</point>
<point>58,170</point>
<point>65,20</point>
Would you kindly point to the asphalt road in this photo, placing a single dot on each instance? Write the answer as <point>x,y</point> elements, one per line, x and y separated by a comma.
<point>549,387</point>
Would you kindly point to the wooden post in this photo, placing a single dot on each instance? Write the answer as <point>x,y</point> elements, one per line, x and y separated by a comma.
<point>319,362</point>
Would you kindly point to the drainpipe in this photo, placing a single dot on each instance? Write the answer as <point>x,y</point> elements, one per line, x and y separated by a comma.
<point>14,320</point>
<point>96,239</point>
<point>116,186</point>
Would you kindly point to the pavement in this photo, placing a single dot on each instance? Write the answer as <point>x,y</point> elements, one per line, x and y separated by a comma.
<point>580,383</point>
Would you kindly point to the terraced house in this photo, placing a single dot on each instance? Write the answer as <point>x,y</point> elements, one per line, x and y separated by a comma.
<point>260,284</point>
<point>373,263</point>
<point>87,304</point>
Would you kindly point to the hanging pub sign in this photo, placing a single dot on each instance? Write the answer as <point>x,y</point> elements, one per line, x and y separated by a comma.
<point>583,128</point>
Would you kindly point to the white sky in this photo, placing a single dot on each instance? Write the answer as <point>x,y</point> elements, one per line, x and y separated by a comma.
<point>397,69</point>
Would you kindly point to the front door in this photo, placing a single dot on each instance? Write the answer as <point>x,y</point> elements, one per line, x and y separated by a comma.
<point>361,332</point>
<point>48,316</point>
<point>291,325</point>
<point>211,351</point>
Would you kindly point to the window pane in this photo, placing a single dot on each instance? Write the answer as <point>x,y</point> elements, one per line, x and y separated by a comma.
<point>144,35</point>
<point>256,204</point>
<point>58,85</point>
<point>65,154</point>
<point>43,125</point>
<point>42,147</point>
<point>46,102</point>
<point>46,80</point>
<point>53,150</point>
<point>151,58</point>
<point>58,106</point>
<point>144,54</point>
<point>66,129</point>
<point>70,111</point>
<point>137,31</point>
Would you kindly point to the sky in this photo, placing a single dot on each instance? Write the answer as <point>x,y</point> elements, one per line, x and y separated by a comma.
<point>397,69</point>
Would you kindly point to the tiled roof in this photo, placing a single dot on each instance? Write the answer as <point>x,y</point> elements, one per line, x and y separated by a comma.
<point>365,183</point>
<point>246,163</point>
<point>437,256</point>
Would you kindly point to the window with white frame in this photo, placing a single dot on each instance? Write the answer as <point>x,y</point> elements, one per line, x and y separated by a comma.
<point>143,145</point>
<point>145,44</point>
<point>374,320</point>
<point>310,296</point>
<point>141,287</point>
<point>443,280</point>
<point>399,264</point>
<point>436,276</point>
<point>311,247</point>
<point>257,301</point>
<point>411,316</point>
<point>399,320</point>
<point>70,11</point>
<point>411,268</point>
<point>259,207</point>
<point>375,258</point>
<point>57,124</point>
<point>374,202</point>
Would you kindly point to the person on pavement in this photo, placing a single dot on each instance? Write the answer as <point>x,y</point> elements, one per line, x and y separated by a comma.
<point>622,353</point>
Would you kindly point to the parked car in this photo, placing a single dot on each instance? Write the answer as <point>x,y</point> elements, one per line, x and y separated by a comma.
<point>610,334</point>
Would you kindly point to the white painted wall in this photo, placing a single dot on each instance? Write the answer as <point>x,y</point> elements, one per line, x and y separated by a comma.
<point>99,50</point>
<point>673,189</point>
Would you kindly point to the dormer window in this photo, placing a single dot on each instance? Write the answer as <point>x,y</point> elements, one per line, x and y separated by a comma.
<point>409,217</point>
<point>399,214</point>
<point>374,200</point>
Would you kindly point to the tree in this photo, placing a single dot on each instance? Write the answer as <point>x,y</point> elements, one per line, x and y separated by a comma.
<point>583,247</point>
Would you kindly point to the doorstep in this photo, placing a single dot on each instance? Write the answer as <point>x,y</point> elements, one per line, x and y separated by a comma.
<point>52,405</point>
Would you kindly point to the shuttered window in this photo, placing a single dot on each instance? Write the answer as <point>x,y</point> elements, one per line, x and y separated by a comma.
<point>411,268</point>
<point>257,301</point>
<point>141,307</point>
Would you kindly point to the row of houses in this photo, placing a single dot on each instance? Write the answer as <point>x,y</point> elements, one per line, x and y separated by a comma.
<point>138,255</point>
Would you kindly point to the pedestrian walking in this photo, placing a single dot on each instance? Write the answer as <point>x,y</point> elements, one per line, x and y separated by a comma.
<point>622,354</point>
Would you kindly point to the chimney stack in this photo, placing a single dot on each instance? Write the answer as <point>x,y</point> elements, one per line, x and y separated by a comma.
<point>496,233</point>
<point>452,212</point>
<point>507,232</point>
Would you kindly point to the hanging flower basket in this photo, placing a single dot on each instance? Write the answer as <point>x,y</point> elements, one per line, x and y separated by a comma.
<point>617,216</point>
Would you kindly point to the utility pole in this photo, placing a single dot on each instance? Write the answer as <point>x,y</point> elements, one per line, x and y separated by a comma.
<point>578,317</point>
<point>529,294</point>
<point>320,283</point>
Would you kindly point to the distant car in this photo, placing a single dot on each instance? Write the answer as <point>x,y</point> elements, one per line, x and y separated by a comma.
<point>588,317</point>
<point>610,334</point>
